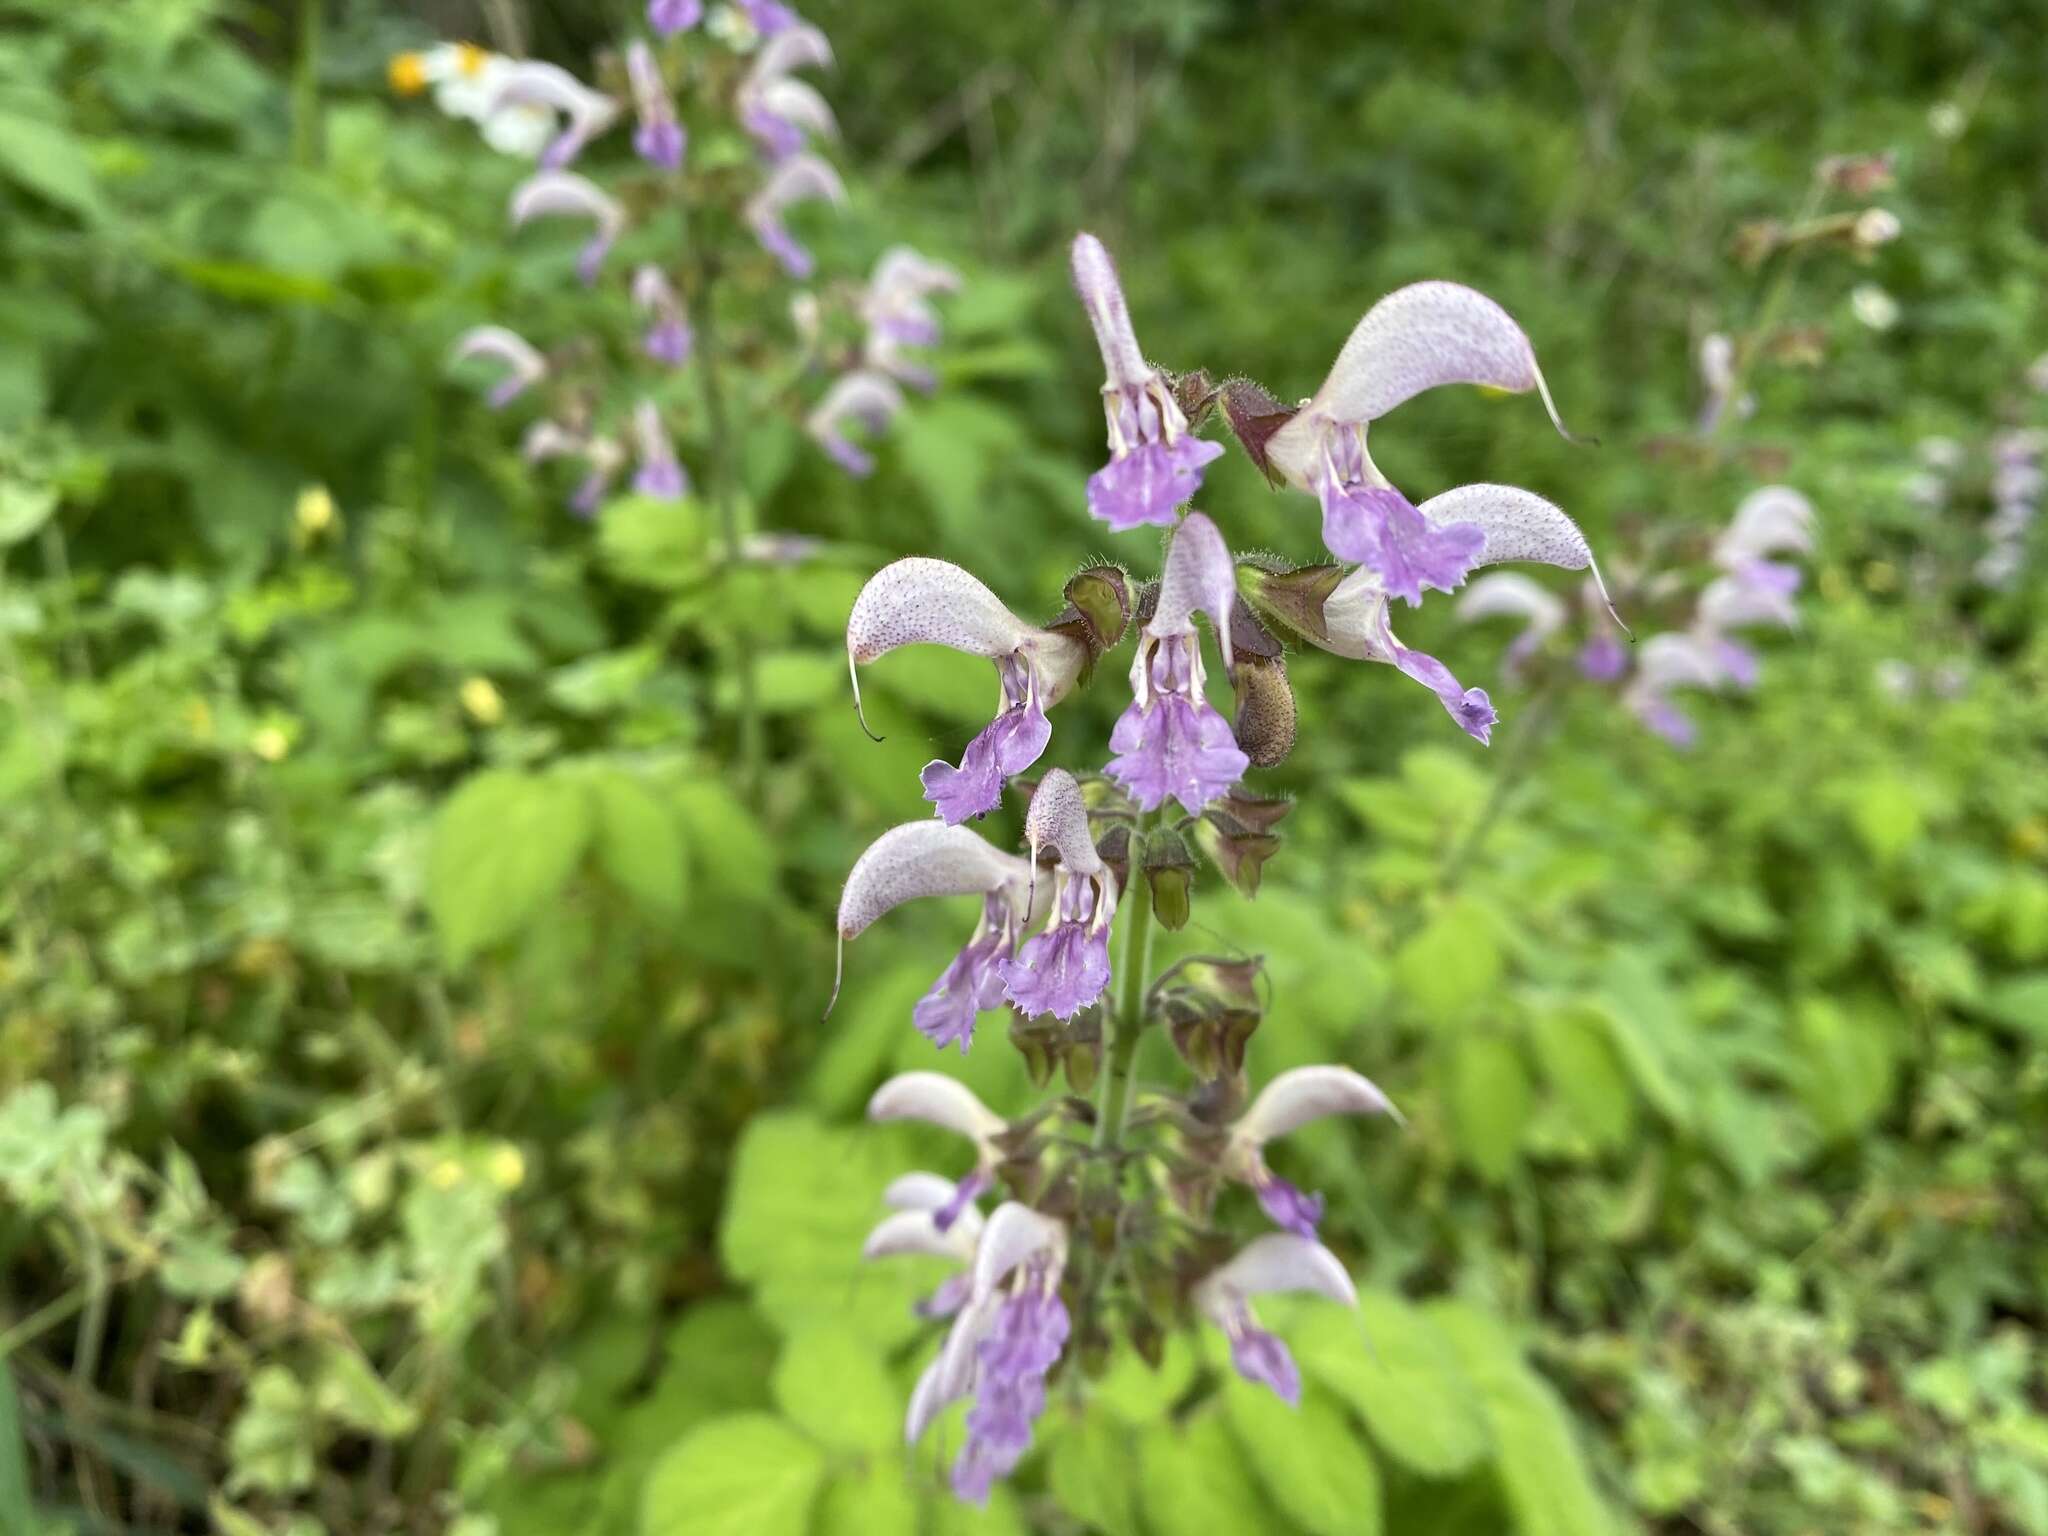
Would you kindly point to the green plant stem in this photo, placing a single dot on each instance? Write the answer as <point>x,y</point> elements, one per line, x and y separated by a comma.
<point>1515,765</point>
<point>726,505</point>
<point>1127,1021</point>
<point>1774,296</point>
<point>306,86</point>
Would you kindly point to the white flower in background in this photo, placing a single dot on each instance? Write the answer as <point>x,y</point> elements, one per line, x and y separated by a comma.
<point>467,82</point>
<point>1874,307</point>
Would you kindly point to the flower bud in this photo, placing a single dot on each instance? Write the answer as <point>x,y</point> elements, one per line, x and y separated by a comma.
<point>1037,1041</point>
<point>1169,875</point>
<point>1082,1051</point>
<point>1290,600</point>
<point>1265,723</point>
<point>1875,227</point>
<point>1211,1007</point>
<point>1241,855</point>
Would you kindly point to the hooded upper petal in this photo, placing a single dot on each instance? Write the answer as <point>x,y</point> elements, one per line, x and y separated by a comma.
<point>1102,296</point>
<point>1013,1235</point>
<point>1296,1097</point>
<point>1200,577</point>
<point>1770,520</point>
<point>1058,818</point>
<point>1278,1261</point>
<point>1519,525</point>
<point>921,601</point>
<point>926,858</point>
<point>940,1100</point>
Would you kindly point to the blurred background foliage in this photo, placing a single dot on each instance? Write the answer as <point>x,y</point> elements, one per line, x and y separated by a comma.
<point>413,1114</point>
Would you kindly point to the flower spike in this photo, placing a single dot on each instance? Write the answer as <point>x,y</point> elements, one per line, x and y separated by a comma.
<point>1279,1261</point>
<point>799,178</point>
<point>524,366</point>
<point>1066,967</point>
<point>868,398</point>
<point>556,194</point>
<point>1289,1101</point>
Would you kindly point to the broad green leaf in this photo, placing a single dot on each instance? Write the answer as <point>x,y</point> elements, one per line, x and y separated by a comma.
<point>1391,1365</point>
<point>1088,1464</point>
<point>272,1441</point>
<point>748,1474</point>
<point>24,508</point>
<point>1536,1454</point>
<point>1847,1064</point>
<point>637,841</point>
<point>876,1501</point>
<point>1649,1032</point>
<point>1887,812</point>
<point>1452,967</point>
<point>1487,1091</point>
<point>50,161</point>
<point>832,1384</point>
<point>350,1392</point>
<point>1579,1059</point>
<point>503,844</point>
<point>2019,1002</point>
<point>1193,1481</point>
<point>1314,1463</point>
<point>653,543</point>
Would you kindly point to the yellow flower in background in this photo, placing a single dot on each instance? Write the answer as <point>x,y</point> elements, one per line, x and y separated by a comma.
<point>408,74</point>
<point>270,743</point>
<point>470,82</point>
<point>314,513</point>
<point>482,701</point>
<point>508,1167</point>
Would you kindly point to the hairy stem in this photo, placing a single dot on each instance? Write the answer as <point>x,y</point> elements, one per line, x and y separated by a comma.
<point>1128,1018</point>
<point>724,501</point>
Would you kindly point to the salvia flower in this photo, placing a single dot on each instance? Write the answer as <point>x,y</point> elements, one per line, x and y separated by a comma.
<point>1511,595</point>
<point>1414,339</point>
<point>658,138</point>
<point>951,1106</point>
<point>668,336</point>
<point>768,17</point>
<point>668,17</point>
<point>1064,968</point>
<point>1771,520</point>
<point>1668,662</point>
<point>564,194</point>
<point>898,313</point>
<point>585,113</point>
<point>524,366</point>
<point>1155,463</point>
<point>864,398</point>
<point>930,602</point>
<point>1003,1342</point>
<point>780,112</point>
<point>910,1228</point>
<point>1279,1261</point>
<point>928,858</point>
<point>800,178</point>
<point>658,474</point>
<point>603,458</point>
<point>1171,742</point>
<point>1508,524</point>
<point>1290,1101</point>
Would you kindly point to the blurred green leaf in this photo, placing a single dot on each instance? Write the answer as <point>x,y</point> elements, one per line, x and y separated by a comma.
<point>1194,1481</point>
<point>746,1475</point>
<point>504,843</point>
<point>1313,1462</point>
<point>831,1384</point>
<point>1392,1366</point>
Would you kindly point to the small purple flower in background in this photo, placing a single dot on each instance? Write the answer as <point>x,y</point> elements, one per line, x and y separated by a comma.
<point>780,112</point>
<point>898,313</point>
<point>768,17</point>
<point>602,456</point>
<point>930,602</point>
<point>928,858</point>
<point>1155,463</point>
<point>869,399</point>
<point>1670,661</point>
<point>524,366</point>
<point>1603,658</point>
<point>668,17</point>
<point>913,1199</point>
<point>800,178</point>
<point>564,194</point>
<point>1510,525</point>
<point>1289,1101</point>
<point>668,338</point>
<point>1414,339</point>
<point>1772,519</point>
<point>586,113</point>
<point>1279,1261</point>
<point>659,474</point>
<point>658,139</point>
<point>1063,969</point>
<point>950,1106</point>
<point>1004,1340</point>
<point>1717,374</point>
<point>1171,742</point>
<point>2016,484</point>
<point>1511,595</point>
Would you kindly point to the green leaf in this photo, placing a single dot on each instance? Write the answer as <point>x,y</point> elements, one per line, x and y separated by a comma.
<point>271,1445</point>
<point>51,162</point>
<point>1649,1031</point>
<point>1536,1455</point>
<point>638,843</point>
<point>1392,1366</point>
<point>24,508</point>
<point>875,1502</point>
<point>1886,813</point>
<point>1193,1481</point>
<point>1487,1091</point>
<point>656,543</point>
<point>1579,1059</point>
<point>2018,1002</point>
<point>748,1474</point>
<point>1452,965</point>
<point>831,1383</point>
<point>1315,1465</point>
<point>16,1513</point>
<point>503,844</point>
<point>1089,1468</point>
<point>349,1391</point>
<point>1847,1062</point>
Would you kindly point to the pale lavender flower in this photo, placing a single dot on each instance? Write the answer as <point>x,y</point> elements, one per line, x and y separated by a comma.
<point>920,601</point>
<point>603,458</point>
<point>1004,1340</point>
<point>1289,1101</point>
<point>524,366</point>
<point>914,1201</point>
<point>864,398</point>
<point>1509,594</point>
<point>1155,463</point>
<point>1771,520</point>
<point>1509,525</point>
<point>659,474</point>
<point>668,338</point>
<point>1603,658</point>
<point>928,858</point>
<point>1063,969</point>
<point>1414,339</point>
<point>564,194</point>
<point>1279,1261</point>
<point>899,315</point>
<point>668,17</point>
<point>1171,742</point>
<point>1668,662</point>
<point>780,112</point>
<point>658,138</point>
<point>800,178</point>
<point>769,17</point>
<point>586,113</point>
<point>950,1106</point>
